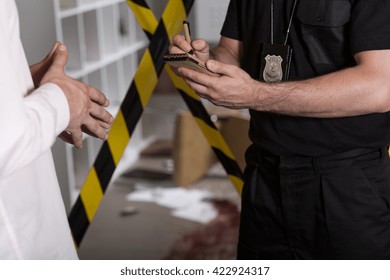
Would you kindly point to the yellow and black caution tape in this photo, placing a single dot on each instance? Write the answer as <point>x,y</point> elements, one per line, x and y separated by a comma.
<point>212,134</point>
<point>131,109</point>
<point>148,23</point>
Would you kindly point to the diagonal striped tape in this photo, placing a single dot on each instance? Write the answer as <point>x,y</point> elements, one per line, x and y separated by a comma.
<point>212,134</point>
<point>136,99</point>
<point>197,109</point>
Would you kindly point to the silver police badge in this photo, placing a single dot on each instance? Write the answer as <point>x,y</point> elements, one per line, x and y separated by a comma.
<point>273,71</point>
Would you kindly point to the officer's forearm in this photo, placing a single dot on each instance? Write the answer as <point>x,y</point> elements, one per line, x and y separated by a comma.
<point>359,90</point>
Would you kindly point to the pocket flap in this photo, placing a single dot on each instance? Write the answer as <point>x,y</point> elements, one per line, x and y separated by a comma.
<point>327,13</point>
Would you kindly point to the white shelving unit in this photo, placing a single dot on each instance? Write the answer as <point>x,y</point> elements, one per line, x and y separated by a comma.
<point>103,40</point>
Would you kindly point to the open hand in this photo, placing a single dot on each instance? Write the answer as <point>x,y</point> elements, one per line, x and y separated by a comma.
<point>85,102</point>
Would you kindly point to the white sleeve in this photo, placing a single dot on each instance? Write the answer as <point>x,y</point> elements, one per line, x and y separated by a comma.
<point>29,123</point>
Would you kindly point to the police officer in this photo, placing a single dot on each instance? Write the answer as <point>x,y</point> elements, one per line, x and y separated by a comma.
<point>317,180</point>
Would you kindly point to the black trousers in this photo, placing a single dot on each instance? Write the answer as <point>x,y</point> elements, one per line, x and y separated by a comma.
<point>335,207</point>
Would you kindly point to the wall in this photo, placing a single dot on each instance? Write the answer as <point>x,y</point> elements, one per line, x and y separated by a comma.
<point>157,6</point>
<point>207,17</point>
<point>37,28</point>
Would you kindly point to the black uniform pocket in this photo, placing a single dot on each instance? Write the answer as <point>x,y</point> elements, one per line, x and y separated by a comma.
<point>356,212</point>
<point>375,175</point>
<point>323,25</point>
<point>324,13</point>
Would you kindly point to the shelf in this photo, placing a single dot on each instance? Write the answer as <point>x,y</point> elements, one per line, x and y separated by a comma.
<point>92,66</point>
<point>104,41</point>
<point>86,7</point>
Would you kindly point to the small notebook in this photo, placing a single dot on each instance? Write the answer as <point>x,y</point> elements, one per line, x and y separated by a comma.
<point>188,61</point>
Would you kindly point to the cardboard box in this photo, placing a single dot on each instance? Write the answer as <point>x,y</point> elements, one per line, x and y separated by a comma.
<point>235,131</point>
<point>193,155</point>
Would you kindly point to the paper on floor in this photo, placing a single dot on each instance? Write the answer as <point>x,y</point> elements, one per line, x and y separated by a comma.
<point>186,203</point>
<point>202,212</point>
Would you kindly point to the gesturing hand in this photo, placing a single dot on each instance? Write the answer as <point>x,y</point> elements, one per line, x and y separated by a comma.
<point>85,102</point>
<point>39,69</point>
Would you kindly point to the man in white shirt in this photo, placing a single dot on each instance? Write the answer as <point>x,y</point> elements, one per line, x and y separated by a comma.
<point>35,107</point>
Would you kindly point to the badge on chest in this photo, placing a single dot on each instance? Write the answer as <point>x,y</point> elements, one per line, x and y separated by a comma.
<point>276,58</point>
<point>275,63</point>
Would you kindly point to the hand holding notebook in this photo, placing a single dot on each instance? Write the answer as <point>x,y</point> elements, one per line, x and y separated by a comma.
<point>188,60</point>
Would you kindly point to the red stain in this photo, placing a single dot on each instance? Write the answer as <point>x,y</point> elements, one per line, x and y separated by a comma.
<point>216,240</point>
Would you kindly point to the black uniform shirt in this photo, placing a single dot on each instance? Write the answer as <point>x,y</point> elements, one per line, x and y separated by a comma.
<point>325,35</point>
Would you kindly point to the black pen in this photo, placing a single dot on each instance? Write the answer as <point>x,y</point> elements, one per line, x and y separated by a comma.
<point>187,34</point>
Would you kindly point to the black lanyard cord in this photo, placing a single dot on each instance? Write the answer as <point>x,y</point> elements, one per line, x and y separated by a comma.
<point>289,23</point>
